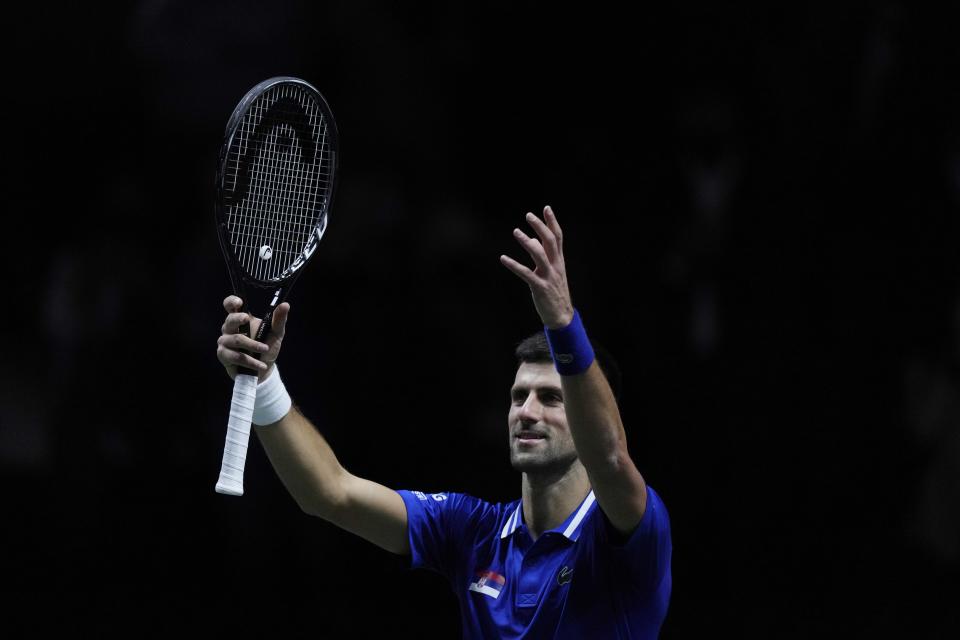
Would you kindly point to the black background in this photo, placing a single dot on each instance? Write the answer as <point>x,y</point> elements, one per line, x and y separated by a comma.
<point>761,219</point>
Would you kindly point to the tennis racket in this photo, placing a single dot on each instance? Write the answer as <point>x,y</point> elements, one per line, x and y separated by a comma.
<point>275,183</point>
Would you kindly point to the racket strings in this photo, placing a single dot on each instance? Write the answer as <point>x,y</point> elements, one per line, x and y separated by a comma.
<point>278,193</point>
<point>282,145</point>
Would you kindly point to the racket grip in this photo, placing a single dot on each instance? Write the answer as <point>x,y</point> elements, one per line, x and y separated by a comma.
<point>238,435</point>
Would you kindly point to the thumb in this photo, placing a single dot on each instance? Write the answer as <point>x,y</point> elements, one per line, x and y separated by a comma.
<point>280,315</point>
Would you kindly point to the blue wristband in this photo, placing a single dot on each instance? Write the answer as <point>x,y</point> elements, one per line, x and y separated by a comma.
<point>570,347</point>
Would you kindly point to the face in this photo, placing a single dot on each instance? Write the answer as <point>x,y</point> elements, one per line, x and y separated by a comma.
<point>539,438</point>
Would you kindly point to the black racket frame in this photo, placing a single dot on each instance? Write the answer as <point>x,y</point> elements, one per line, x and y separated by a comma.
<point>274,291</point>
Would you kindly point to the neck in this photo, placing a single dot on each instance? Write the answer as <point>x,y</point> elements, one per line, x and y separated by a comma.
<point>549,499</point>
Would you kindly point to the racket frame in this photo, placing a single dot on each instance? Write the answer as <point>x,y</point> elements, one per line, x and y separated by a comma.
<point>240,279</point>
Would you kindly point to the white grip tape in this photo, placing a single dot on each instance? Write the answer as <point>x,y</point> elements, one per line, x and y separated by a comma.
<point>238,435</point>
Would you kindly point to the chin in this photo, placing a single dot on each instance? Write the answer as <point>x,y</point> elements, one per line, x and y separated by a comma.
<point>521,462</point>
<point>539,464</point>
<point>525,466</point>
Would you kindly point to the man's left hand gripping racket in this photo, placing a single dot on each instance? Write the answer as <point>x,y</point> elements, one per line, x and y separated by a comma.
<point>275,183</point>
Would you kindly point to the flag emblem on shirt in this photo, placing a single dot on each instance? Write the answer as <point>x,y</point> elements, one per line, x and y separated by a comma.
<point>489,583</point>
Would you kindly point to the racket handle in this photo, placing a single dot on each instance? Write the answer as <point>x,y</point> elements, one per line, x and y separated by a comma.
<point>238,435</point>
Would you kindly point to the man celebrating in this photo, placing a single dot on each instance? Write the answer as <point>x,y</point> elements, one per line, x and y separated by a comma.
<point>585,552</point>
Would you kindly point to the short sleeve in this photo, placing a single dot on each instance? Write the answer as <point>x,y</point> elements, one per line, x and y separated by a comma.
<point>645,555</point>
<point>440,527</point>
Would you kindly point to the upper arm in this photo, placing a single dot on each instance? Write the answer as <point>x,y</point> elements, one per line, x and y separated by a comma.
<point>443,528</point>
<point>643,557</point>
<point>621,493</point>
<point>373,512</point>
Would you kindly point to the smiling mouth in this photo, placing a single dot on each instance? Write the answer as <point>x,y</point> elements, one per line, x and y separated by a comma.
<point>529,436</point>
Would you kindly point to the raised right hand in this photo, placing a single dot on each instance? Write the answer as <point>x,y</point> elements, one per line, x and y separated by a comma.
<point>232,344</point>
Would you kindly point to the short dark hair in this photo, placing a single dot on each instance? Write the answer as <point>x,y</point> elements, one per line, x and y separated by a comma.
<point>534,348</point>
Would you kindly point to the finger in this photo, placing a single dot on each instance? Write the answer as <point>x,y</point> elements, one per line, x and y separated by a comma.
<point>521,271</point>
<point>243,360</point>
<point>534,248</point>
<point>232,303</point>
<point>239,359</point>
<point>551,219</point>
<point>234,321</point>
<point>547,238</point>
<point>238,341</point>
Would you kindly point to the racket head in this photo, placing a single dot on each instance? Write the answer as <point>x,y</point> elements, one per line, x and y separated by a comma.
<point>276,179</point>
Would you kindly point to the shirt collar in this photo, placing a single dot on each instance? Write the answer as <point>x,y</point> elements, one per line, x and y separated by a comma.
<point>570,528</point>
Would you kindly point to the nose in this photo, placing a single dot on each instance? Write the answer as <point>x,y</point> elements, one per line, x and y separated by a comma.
<point>531,410</point>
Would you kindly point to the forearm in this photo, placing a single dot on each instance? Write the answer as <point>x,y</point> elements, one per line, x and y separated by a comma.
<point>594,421</point>
<point>305,463</point>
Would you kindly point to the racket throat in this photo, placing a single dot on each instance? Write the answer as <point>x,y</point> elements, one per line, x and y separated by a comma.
<point>264,329</point>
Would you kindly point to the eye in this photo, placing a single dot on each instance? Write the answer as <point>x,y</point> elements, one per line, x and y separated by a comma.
<point>551,398</point>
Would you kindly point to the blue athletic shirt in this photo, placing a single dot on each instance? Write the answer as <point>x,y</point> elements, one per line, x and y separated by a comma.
<point>580,580</point>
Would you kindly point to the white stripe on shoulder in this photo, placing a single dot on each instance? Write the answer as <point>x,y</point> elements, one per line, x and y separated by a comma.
<point>511,523</point>
<point>584,508</point>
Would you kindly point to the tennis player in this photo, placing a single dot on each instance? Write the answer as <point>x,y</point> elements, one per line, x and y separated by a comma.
<point>584,553</point>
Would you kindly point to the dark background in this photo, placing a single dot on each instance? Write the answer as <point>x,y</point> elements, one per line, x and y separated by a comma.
<point>761,219</point>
